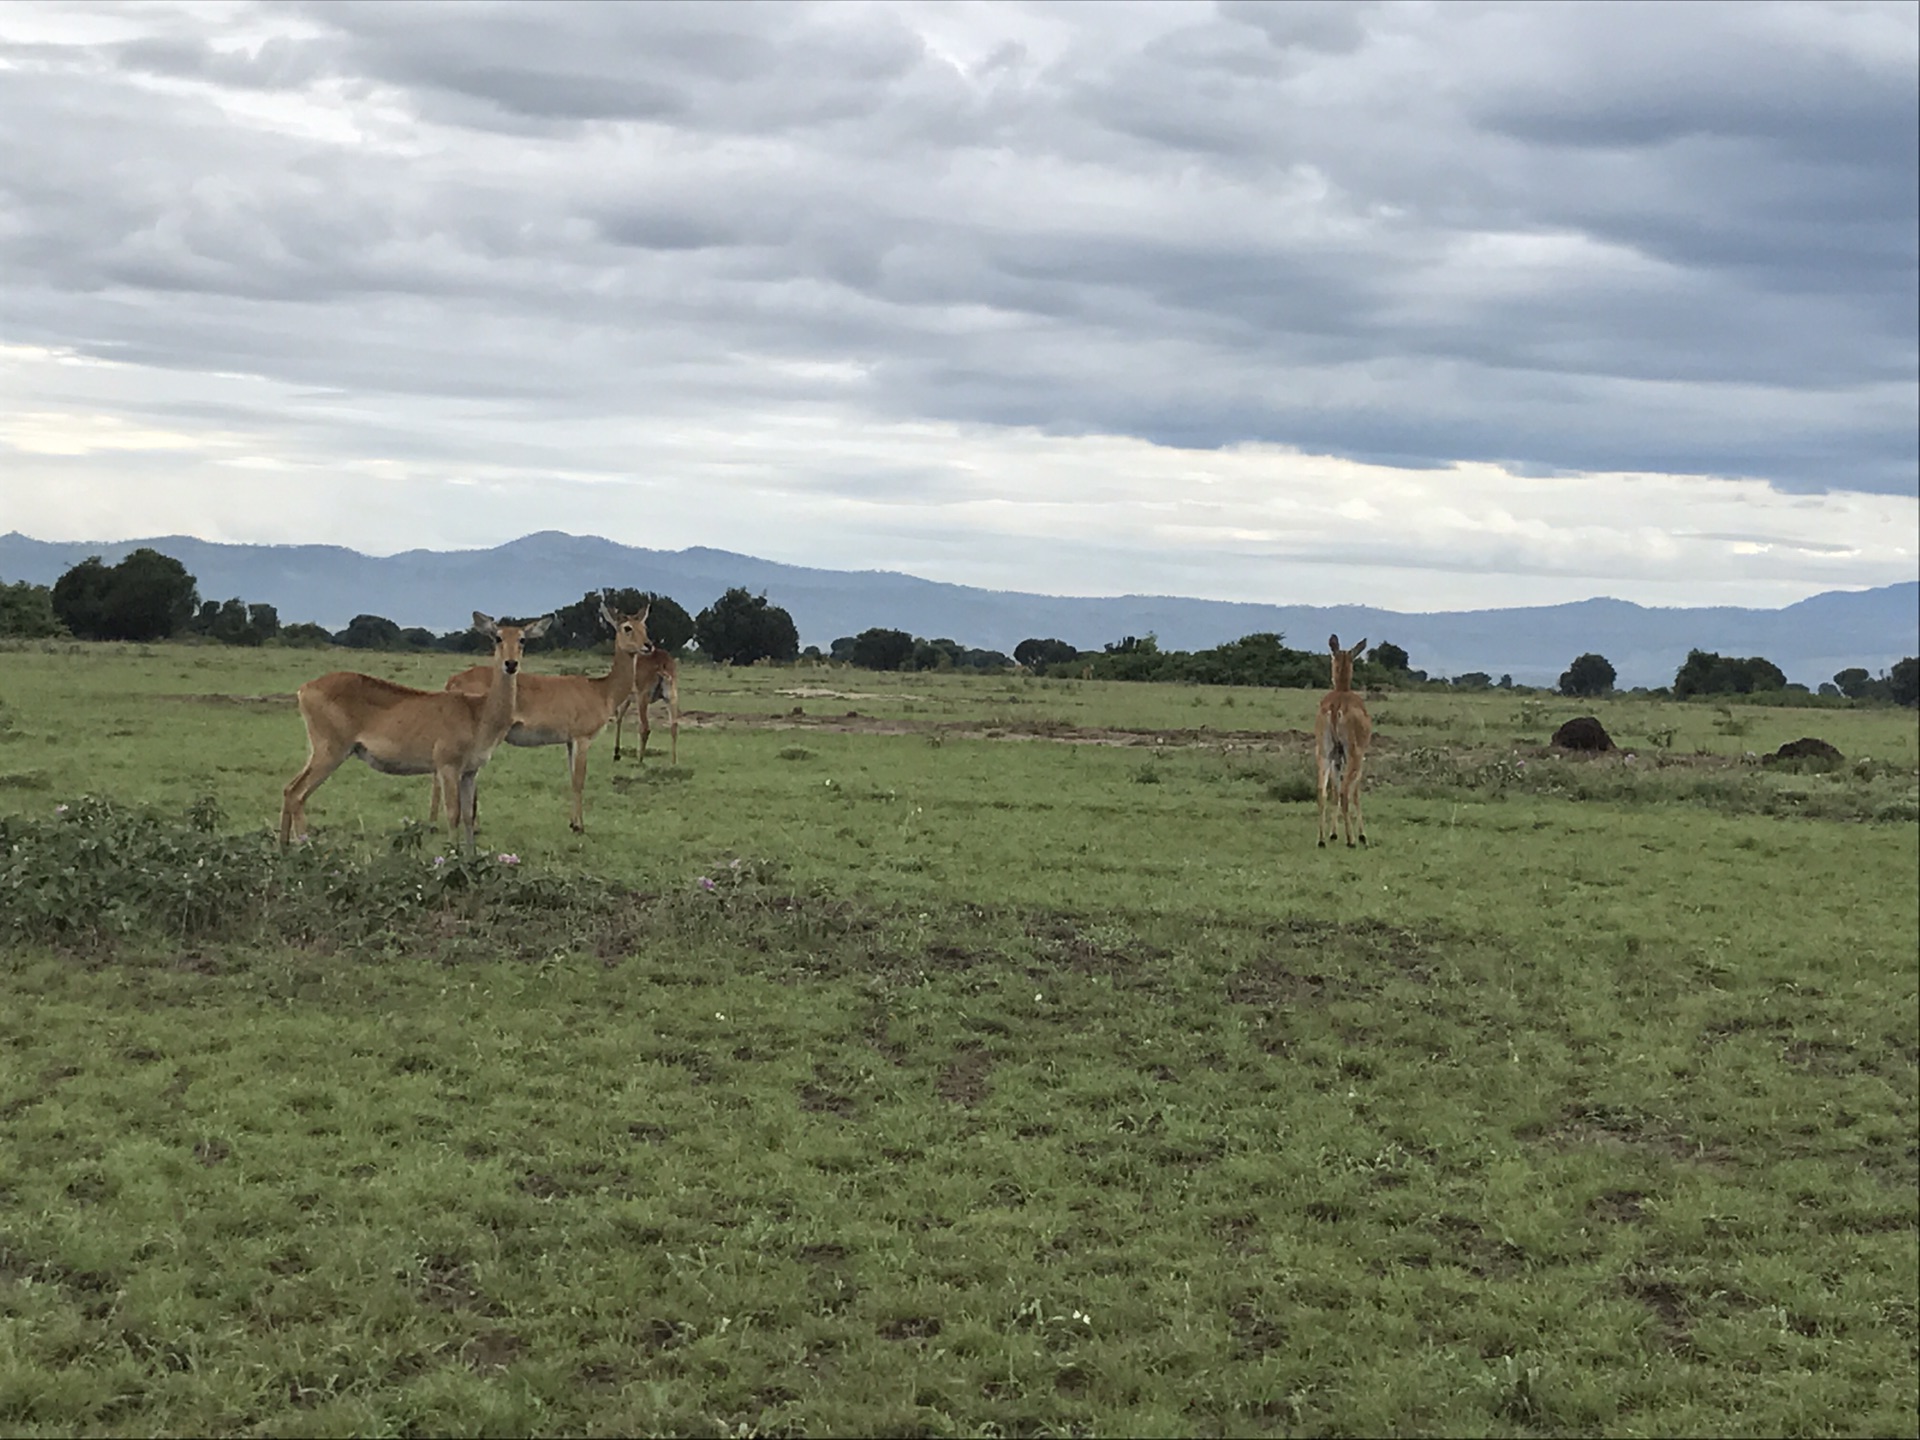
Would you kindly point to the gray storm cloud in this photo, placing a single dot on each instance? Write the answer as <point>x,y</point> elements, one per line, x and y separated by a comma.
<point>1557,240</point>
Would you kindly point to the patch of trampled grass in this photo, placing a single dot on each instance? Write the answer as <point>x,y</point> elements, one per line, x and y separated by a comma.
<point>751,1155</point>
<point>949,1089</point>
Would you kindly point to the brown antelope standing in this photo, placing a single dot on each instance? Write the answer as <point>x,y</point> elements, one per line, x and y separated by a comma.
<point>1341,732</point>
<point>656,676</point>
<point>402,731</point>
<point>570,709</point>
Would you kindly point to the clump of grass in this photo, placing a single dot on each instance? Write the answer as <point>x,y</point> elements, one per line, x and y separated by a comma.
<point>1437,772</point>
<point>1292,789</point>
<point>649,775</point>
<point>1731,724</point>
<point>96,871</point>
<point>795,752</point>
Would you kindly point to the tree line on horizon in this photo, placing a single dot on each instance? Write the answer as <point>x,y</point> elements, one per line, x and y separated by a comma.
<point>150,596</point>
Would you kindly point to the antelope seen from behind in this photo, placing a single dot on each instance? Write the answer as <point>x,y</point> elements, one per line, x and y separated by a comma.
<point>1341,733</point>
<point>402,731</point>
<point>570,709</point>
<point>656,676</point>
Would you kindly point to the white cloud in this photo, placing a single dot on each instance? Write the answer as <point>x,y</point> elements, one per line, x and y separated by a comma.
<point>1418,306</point>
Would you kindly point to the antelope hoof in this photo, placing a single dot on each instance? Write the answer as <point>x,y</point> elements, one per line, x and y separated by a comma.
<point>1323,844</point>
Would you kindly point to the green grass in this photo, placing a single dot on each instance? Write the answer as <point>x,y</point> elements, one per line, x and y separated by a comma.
<point>1002,1086</point>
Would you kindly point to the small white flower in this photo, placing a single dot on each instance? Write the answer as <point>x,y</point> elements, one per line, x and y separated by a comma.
<point>719,1014</point>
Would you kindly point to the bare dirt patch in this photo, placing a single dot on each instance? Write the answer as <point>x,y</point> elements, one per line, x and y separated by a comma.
<point>998,728</point>
<point>1463,1241</point>
<point>1610,1127</point>
<point>1668,1302</point>
<point>1305,956</point>
<point>249,702</point>
<point>1620,1207</point>
<point>447,1284</point>
<point>825,1100</point>
<point>493,1350</point>
<point>1254,1333</point>
<point>1272,983</point>
<point>911,1327</point>
<point>963,1079</point>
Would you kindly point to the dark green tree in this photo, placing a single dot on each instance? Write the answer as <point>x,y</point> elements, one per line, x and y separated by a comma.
<point>152,597</point>
<point>669,626</point>
<point>80,597</point>
<point>579,627</point>
<point>1263,658</point>
<point>147,596</point>
<point>26,611</point>
<point>1388,657</point>
<point>305,634</point>
<point>1587,676</point>
<point>941,653</point>
<point>1473,680</point>
<point>881,649</point>
<point>1038,654</point>
<point>984,660</point>
<point>1903,682</point>
<point>233,622</point>
<point>225,621</point>
<point>1855,683</point>
<point>1708,673</point>
<point>371,632</point>
<point>464,642</point>
<point>740,628</point>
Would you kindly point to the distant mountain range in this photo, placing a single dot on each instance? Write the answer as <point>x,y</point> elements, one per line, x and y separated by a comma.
<point>439,589</point>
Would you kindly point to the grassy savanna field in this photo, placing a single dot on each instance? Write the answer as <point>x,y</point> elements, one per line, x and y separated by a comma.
<point>1001,1057</point>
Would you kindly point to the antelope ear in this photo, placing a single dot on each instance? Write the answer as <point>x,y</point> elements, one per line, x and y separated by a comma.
<point>645,610</point>
<point>1358,648</point>
<point>484,624</point>
<point>537,628</point>
<point>607,615</point>
<point>1333,643</point>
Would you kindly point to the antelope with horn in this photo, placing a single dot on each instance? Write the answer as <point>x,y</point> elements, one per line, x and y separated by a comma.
<point>571,709</point>
<point>1341,733</point>
<point>402,731</point>
<point>656,676</point>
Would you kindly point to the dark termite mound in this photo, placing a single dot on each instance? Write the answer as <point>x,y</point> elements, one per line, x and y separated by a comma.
<point>1817,754</point>
<point>1583,732</point>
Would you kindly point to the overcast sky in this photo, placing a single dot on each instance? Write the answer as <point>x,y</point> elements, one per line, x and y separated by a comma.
<point>1426,306</point>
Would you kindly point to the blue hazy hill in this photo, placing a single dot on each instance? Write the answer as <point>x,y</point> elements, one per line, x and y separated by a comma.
<point>1810,640</point>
